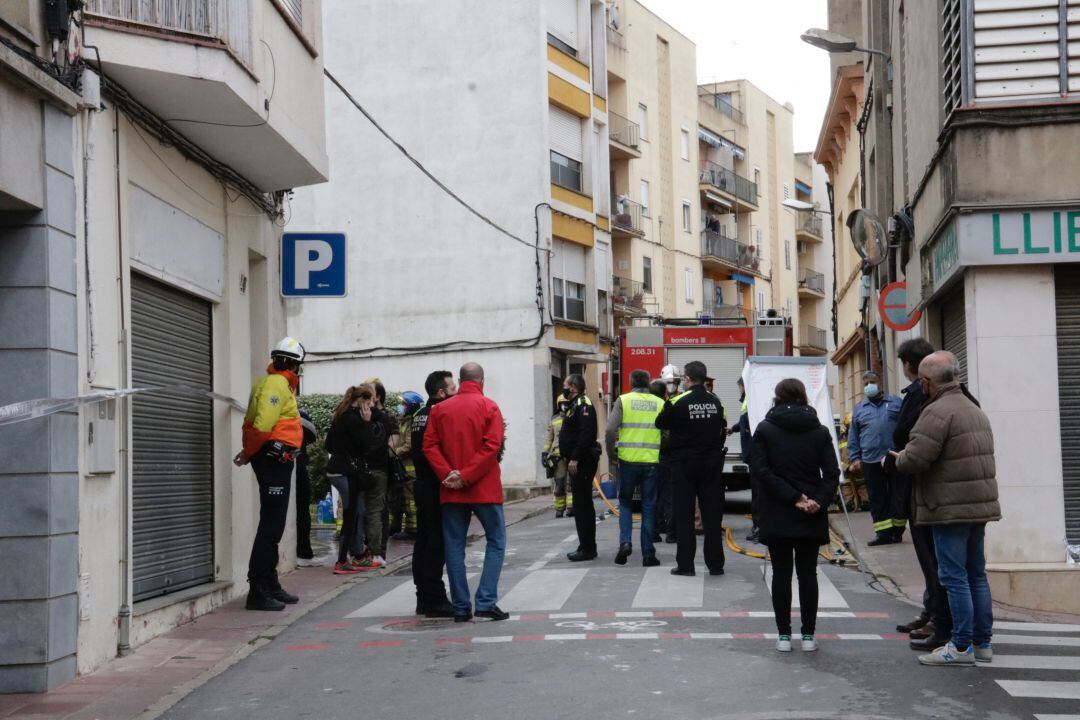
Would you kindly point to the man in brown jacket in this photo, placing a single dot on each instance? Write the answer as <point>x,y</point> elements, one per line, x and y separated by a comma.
<point>951,456</point>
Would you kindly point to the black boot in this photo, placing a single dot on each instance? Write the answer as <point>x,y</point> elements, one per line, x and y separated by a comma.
<point>570,512</point>
<point>559,512</point>
<point>883,538</point>
<point>260,599</point>
<point>440,609</point>
<point>898,534</point>
<point>649,561</point>
<point>274,590</point>
<point>625,551</point>
<point>581,555</point>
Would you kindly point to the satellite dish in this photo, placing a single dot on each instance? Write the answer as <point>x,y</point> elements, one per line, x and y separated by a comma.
<point>868,236</point>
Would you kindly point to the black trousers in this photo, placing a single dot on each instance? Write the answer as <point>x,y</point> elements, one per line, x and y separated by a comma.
<point>935,599</point>
<point>428,560</point>
<point>663,497</point>
<point>698,480</point>
<point>883,492</point>
<point>303,508</point>
<point>800,555</point>
<point>275,479</point>
<point>584,511</point>
<point>350,516</point>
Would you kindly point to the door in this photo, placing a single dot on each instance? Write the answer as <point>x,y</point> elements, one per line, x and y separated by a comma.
<point>1067,290</point>
<point>172,441</point>
<point>725,366</point>
<point>954,328</point>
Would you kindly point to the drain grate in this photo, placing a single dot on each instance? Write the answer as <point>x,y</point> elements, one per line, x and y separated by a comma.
<point>416,625</point>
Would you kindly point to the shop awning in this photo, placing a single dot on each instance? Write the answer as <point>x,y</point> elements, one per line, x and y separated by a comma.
<point>744,279</point>
<point>802,187</point>
<point>713,197</point>
<point>711,138</point>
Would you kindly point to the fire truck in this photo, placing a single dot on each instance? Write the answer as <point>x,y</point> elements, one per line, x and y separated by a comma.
<point>723,345</point>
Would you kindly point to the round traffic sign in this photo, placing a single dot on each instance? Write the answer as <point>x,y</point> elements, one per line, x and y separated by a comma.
<point>892,304</point>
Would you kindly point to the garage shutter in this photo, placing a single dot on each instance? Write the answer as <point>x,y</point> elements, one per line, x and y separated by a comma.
<point>1067,284</point>
<point>566,133</point>
<point>954,329</point>
<point>172,441</point>
<point>563,21</point>
<point>725,366</point>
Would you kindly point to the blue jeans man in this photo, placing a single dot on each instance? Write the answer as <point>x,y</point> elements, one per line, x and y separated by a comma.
<point>630,477</point>
<point>455,521</point>
<point>962,570</point>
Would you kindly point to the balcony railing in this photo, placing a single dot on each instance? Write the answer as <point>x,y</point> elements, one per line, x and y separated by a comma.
<point>227,21</point>
<point>729,181</point>
<point>809,222</point>
<point>813,337</point>
<point>723,105</point>
<point>626,215</point>
<point>725,311</point>
<point>732,252</point>
<point>812,281</point>
<point>623,131</point>
<point>627,294</point>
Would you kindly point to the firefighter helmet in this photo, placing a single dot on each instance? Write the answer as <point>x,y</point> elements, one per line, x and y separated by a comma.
<point>289,348</point>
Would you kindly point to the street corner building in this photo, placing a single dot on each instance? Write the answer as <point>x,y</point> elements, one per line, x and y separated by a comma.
<point>962,110</point>
<point>143,159</point>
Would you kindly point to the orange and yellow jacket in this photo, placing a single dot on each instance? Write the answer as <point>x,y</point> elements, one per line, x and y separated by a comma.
<point>272,412</point>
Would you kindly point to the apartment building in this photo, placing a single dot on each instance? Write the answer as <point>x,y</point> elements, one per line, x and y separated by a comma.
<point>814,249</point>
<point>145,154</point>
<point>519,132</point>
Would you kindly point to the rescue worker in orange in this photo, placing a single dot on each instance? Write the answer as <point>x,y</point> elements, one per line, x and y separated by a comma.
<point>272,437</point>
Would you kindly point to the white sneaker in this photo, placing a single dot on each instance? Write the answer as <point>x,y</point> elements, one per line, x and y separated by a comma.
<point>984,653</point>
<point>783,643</point>
<point>378,560</point>
<point>809,644</point>
<point>949,655</point>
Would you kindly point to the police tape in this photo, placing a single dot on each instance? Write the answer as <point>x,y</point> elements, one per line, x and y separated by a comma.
<point>41,407</point>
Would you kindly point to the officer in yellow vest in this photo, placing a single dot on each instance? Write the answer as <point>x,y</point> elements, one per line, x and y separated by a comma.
<point>633,438</point>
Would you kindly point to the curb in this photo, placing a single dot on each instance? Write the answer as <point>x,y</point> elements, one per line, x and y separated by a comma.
<point>871,565</point>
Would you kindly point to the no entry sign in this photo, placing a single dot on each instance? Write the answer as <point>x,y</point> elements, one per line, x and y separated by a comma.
<point>892,304</point>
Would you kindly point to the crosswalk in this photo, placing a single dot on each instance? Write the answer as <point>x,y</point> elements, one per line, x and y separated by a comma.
<point>1044,654</point>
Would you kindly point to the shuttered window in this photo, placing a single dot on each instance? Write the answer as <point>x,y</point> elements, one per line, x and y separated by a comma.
<point>566,133</point>
<point>295,8</point>
<point>1067,284</point>
<point>563,21</point>
<point>954,328</point>
<point>951,56</point>
<point>172,441</point>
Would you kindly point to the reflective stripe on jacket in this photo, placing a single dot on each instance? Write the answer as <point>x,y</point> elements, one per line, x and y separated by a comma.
<point>551,447</point>
<point>639,438</point>
<point>272,413</point>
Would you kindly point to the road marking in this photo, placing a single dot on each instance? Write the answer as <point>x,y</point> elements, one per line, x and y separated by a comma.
<point>543,590</point>
<point>494,639</point>
<point>551,554</point>
<point>1035,662</point>
<point>711,636</point>
<point>1036,640</point>
<point>828,595</point>
<point>1057,717</point>
<point>399,602</point>
<point>636,636</point>
<point>304,648</point>
<point>659,588</point>
<point>565,636</point>
<point>1036,627</point>
<point>1041,689</point>
<point>382,644</point>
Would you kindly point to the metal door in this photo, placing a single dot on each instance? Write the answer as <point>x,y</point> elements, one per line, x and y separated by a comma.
<point>954,328</point>
<point>1067,290</point>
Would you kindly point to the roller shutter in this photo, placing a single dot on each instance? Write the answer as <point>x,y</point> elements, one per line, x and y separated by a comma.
<point>1067,284</point>
<point>954,329</point>
<point>566,134</point>
<point>563,21</point>
<point>172,441</point>
<point>725,366</point>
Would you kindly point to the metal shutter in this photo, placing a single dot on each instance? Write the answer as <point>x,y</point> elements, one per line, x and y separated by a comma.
<point>725,366</point>
<point>954,329</point>
<point>172,441</point>
<point>1017,47</point>
<point>566,133</point>
<point>563,21</point>
<point>1067,290</point>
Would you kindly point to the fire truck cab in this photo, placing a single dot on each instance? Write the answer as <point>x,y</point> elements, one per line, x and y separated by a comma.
<point>723,345</point>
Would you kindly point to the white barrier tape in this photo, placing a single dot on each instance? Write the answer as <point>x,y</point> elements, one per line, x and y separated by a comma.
<point>31,409</point>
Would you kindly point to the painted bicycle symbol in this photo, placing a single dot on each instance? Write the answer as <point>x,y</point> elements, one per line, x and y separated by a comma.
<point>622,625</point>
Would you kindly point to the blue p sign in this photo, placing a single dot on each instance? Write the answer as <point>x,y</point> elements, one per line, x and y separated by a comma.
<point>313,264</point>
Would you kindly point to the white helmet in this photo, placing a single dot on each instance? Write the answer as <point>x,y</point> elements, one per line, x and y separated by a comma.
<point>670,373</point>
<point>290,348</point>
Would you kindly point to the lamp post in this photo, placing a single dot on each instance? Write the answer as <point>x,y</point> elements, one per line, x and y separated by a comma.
<point>832,42</point>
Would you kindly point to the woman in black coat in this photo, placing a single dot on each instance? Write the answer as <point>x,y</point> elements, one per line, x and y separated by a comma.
<point>795,467</point>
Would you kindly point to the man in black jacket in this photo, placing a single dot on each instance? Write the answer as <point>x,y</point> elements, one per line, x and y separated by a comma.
<point>577,443</point>
<point>933,627</point>
<point>696,446</point>
<point>427,562</point>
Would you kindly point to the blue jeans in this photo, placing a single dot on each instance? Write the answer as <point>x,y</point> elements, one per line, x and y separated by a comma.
<point>455,522</point>
<point>630,476</point>
<point>962,569</point>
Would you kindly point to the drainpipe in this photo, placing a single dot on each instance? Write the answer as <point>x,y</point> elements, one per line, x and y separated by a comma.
<point>123,639</point>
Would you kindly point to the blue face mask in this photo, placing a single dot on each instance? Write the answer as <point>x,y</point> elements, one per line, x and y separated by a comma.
<point>872,391</point>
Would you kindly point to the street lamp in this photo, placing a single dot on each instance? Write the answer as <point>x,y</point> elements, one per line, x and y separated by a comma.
<point>801,205</point>
<point>836,43</point>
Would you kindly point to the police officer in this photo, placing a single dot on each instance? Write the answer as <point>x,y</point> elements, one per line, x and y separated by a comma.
<point>633,437</point>
<point>427,563</point>
<point>698,431</point>
<point>272,437</point>
<point>577,444</point>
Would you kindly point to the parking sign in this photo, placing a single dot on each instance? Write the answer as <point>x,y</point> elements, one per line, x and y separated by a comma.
<point>313,264</point>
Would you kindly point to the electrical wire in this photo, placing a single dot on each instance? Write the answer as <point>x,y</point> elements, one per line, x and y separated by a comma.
<point>269,100</point>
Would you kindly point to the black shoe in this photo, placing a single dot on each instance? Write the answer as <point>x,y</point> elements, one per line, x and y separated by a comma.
<point>494,614</point>
<point>881,539</point>
<point>559,513</point>
<point>581,555</point>
<point>280,595</point>
<point>914,624</point>
<point>754,535</point>
<point>436,610</point>
<point>898,535</point>
<point>671,539</point>
<point>625,551</point>
<point>718,571</point>
<point>305,554</point>
<point>684,573</point>
<point>463,618</point>
<point>929,643</point>
<point>649,561</point>
<point>258,599</point>
<point>569,512</point>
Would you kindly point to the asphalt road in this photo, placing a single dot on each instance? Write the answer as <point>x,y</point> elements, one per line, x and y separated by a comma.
<point>596,640</point>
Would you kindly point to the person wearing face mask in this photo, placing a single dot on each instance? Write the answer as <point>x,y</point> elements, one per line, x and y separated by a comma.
<point>577,443</point>
<point>554,462</point>
<point>870,438</point>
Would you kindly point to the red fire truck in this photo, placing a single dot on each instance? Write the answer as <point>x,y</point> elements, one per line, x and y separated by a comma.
<point>722,347</point>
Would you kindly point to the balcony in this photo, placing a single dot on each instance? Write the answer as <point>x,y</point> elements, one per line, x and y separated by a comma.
<point>626,217</point>
<point>616,53</point>
<point>193,64</point>
<point>719,102</point>
<point>628,296</point>
<point>811,284</point>
<point>809,227</point>
<point>727,312</point>
<point>721,252</point>
<point>813,341</point>
<point>624,137</point>
<point>730,184</point>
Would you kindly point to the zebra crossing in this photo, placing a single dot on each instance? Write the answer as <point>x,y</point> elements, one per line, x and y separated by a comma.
<point>1045,654</point>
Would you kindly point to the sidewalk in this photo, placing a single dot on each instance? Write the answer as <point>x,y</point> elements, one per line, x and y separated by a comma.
<point>161,672</point>
<point>898,569</point>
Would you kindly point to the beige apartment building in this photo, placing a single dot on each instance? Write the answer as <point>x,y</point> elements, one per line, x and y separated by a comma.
<point>814,249</point>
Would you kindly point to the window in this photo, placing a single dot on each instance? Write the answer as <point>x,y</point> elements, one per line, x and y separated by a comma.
<point>603,314</point>
<point>568,280</point>
<point>684,143</point>
<point>643,121</point>
<point>787,254</point>
<point>556,42</point>
<point>757,241</point>
<point>688,279</point>
<point>645,198</point>
<point>787,191</point>
<point>565,172</point>
<point>646,274</point>
<point>761,300</point>
<point>686,216</point>
<point>562,18</point>
<point>757,179</point>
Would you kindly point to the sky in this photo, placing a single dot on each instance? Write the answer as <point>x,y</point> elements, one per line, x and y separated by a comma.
<point>759,40</point>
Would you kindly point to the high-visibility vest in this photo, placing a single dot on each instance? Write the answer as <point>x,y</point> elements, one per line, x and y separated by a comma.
<point>742,408</point>
<point>639,438</point>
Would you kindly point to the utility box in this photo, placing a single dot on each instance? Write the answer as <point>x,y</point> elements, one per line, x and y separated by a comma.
<point>101,438</point>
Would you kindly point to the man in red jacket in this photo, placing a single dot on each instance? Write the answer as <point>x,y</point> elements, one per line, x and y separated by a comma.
<point>463,443</point>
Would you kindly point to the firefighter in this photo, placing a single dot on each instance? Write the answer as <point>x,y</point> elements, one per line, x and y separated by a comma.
<point>554,463</point>
<point>403,510</point>
<point>272,437</point>
<point>577,444</point>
